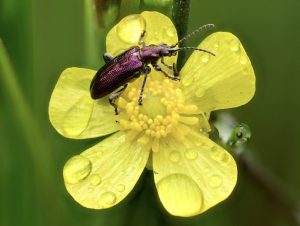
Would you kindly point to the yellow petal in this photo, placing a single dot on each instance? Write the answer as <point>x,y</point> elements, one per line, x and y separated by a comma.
<point>127,32</point>
<point>103,175</point>
<point>72,111</point>
<point>223,81</point>
<point>159,28</point>
<point>191,177</point>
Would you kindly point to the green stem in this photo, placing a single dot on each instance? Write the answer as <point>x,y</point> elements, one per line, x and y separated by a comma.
<point>91,35</point>
<point>180,16</point>
<point>38,150</point>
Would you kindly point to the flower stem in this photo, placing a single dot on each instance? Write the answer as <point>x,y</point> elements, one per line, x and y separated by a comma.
<point>180,17</point>
<point>91,35</point>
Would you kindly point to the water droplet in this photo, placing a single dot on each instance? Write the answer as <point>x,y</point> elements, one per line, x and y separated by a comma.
<point>95,179</point>
<point>214,152</point>
<point>200,92</point>
<point>174,156</point>
<point>215,48</point>
<point>90,189</point>
<point>224,157</point>
<point>234,45</point>
<point>120,187</point>
<point>243,59</point>
<point>187,80</point>
<point>205,57</point>
<point>177,202</point>
<point>130,28</point>
<point>107,199</point>
<point>77,169</point>
<point>219,155</point>
<point>240,134</point>
<point>122,172</point>
<point>99,154</point>
<point>214,149</point>
<point>197,142</point>
<point>169,32</point>
<point>191,154</point>
<point>215,181</point>
<point>206,170</point>
<point>78,116</point>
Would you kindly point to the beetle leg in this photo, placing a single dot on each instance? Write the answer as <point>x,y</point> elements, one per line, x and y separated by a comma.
<point>141,42</point>
<point>175,71</point>
<point>173,67</point>
<point>158,68</point>
<point>163,62</point>
<point>147,70</point>
<point>114,96</point>
<point>107,57</point>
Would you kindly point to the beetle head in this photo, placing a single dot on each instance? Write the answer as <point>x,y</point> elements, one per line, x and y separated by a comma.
<point>165,50</point>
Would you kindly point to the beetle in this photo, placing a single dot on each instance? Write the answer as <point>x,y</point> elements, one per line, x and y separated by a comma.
<point>120,70</point>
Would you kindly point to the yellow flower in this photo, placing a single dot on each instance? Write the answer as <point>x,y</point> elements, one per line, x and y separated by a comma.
<point>191,172</point>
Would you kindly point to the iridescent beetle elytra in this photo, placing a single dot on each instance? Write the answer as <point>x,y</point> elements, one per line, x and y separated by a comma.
<point>127,66</point>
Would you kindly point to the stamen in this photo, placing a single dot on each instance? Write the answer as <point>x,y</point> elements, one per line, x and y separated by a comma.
<point>187,109</point>
<point>144,139</point>
<point>189,120</point>
<point>160,116</point>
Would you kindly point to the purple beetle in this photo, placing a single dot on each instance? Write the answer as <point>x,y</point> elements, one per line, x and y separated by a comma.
<point>129,65</point>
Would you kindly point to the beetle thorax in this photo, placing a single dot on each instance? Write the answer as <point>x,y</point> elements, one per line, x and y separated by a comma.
<point>150,53</point>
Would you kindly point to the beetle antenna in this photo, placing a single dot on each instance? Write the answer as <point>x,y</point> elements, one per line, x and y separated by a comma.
<point>195,48</point>
<point>206,26</point>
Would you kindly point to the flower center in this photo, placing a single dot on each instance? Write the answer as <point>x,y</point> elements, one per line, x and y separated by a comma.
<point>163,112</point>
<point>152,106</point>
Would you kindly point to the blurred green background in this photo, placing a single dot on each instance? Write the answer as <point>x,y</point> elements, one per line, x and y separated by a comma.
<point>44,37</point>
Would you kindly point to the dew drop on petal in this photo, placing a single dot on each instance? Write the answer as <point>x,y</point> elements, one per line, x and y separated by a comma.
<point>191,154</point>
<point>199,92</point>
<point>99,154</point>
<point>130,28</point>
<point>215,48</point>
<point>218,155</point>
<point>205,58</point>
<point>107,199</point>
<point>77,169</point>
<point>187,80</point>
<point>95,179</point>
<point>234,45</point>
<point>215,181</point>
<point>243,60</point>
<point>77,118</point>
<point>224,157</point>
<point>120,187</point>
<point>169,32</point>
<point>180,195</point>
<point>174,156</point>
<point>90,189</point>
<point>214,152</point>
<point>206,170</point>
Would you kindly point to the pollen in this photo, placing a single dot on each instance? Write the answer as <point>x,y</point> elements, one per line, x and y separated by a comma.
<point>162,114</point>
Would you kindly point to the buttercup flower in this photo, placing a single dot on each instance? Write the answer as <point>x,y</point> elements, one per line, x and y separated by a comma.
<point>192,173</point>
